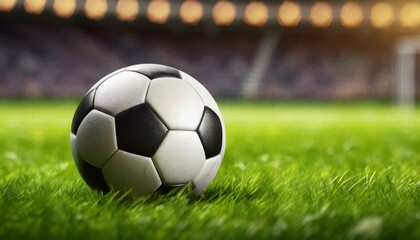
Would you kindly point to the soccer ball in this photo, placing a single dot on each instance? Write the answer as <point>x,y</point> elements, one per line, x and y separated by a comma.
<point>146,127</point>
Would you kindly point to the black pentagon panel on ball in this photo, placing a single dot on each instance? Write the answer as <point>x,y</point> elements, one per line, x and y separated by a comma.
<point>139,130</point>
<point>153,71</point>
<point>93,176</point>
<point>165,189</point>
<point>210,133</point>
<point>85,106</point>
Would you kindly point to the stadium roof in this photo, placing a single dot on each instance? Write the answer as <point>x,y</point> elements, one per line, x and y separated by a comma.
<point>400,16</point>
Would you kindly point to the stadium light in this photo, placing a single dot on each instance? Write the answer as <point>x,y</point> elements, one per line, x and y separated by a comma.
<point>7,5</point>
<point>127,10</point>
<point>321,15</point>
<point>158,11</point>
<point>351,15</point>
<point>96,9</point>
<point>382,15</point>
<point>256,14</point>
<point>410,15</point>
<point>289,14</point>
<point>64,8</point>
<point>34,6</point>
<point>191,12</point>
<point>224,13</point>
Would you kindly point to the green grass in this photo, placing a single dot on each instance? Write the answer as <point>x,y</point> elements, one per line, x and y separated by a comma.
<point>293,171</point>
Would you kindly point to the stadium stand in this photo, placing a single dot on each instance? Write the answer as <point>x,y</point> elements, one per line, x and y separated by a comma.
<point>324,50</point>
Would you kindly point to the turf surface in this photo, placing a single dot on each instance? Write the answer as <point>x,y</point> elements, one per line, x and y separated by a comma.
<point>293,171</point>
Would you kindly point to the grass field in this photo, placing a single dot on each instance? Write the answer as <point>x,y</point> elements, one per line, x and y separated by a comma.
<point>292,171</point>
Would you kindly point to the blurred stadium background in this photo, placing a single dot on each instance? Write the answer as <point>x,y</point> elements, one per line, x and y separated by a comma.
<point>327,50</point>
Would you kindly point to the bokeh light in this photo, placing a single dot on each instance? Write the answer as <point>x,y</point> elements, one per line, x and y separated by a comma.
<point>351,15</point>
<point>127,10</point>
<point>34,6</point>
<point>96,9</point>
<point>410,15</point>
<point>158,11</point>
<point>7,5</point>
<point>256,14</point>
<point>321,15</point>
<point>289,14</point>
<point>224,13</point>
<point>64,8</point>
<point>381,15</point>
<point>191,12</point>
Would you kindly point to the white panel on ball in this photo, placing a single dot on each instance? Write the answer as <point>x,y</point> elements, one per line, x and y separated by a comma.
<point>207,174</point>
<point>96,138</point>
<point>180,157</point>
<point>208,101</point>
<point>222,152</point>
<point>130,172</point>
<point>74,151</point>
<point>176,102</point>
<point>202,91</point>
<point>121,91</point>
<point>105,78</point>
